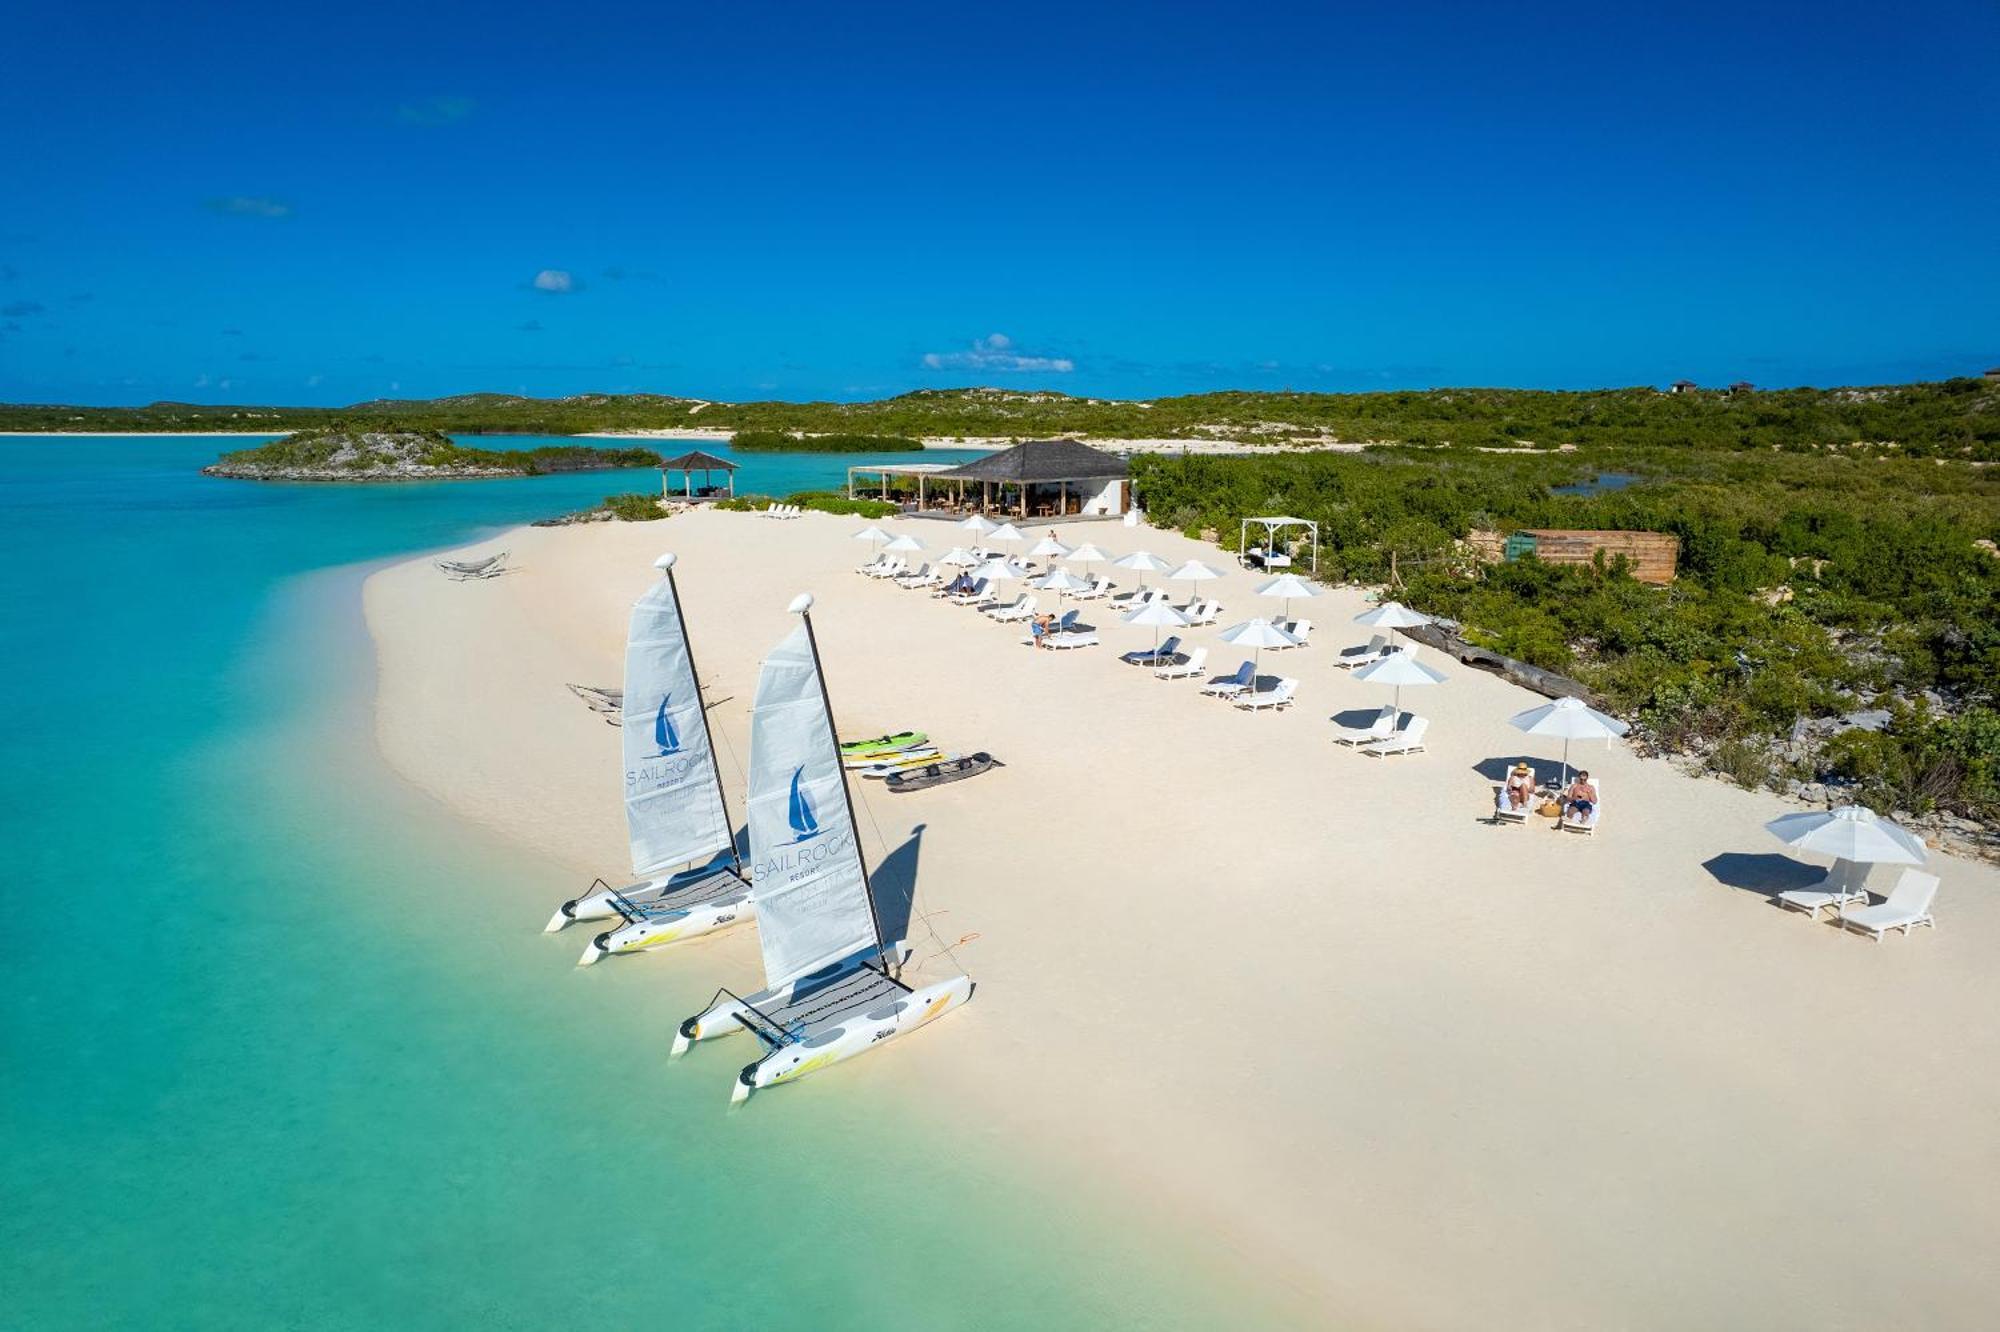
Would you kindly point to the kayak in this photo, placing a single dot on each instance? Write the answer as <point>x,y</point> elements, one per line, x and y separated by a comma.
<point>883,745</point>
<point>915,758</point>
<point>938,773</point>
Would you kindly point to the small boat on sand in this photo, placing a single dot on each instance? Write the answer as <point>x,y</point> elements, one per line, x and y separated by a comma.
<point>950,769</point>
<point>883,745</point>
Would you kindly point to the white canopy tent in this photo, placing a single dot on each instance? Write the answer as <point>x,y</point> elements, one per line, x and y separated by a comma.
<point>1272,526</point>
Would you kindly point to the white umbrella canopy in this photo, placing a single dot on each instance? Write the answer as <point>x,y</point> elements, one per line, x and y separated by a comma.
<point>994,571</point>
<point>1142,561</point>
<point>1392,615</point>
<point>1086,555</point>
<point>871,533</point>
<point>904,544</point>
<point>1851,832</point>
<point>1050,548</point>
<point>978,524</point>
<point>1258,635</point>
<point>1567,719</point>
<point>1399,669</point>
<point>1158,614</point>
<point>1194,571</point>
<point>1287,586</point>
<point>1060,581</point>
<point>959,558</point>
<point>1006,532</point>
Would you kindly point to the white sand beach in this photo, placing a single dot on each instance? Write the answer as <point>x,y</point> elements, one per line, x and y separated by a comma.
<point>1421,1070</point>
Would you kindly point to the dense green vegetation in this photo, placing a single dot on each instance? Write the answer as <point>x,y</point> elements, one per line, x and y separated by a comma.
<point>1957,418</point>
<point>779,441</point>
<point>341,447</point>
<point>820,501</point>
<point>1810,586</point>
<point>634,508</point>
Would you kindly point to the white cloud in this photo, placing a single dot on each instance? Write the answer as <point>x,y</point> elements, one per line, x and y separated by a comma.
<point>249,205</point>
<point>996,351</point>
<point>314,381</point>
<point>554,279</point>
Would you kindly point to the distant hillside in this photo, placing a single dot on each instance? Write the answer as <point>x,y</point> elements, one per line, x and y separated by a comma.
<point>407,455</point>
<point>1957,418</point>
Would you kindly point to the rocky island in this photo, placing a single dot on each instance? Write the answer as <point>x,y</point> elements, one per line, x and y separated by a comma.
<point>339,454</point>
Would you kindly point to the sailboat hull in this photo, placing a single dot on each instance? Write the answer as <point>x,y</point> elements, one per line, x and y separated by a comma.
<point>670,927</point>
<point>604,905</point>
<point>843,1037</point>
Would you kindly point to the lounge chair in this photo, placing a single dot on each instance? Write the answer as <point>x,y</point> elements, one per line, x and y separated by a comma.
<point>1406,741</point>
<point>1099,587</point>
<point>1298,629</point>
<point>1168,650</point>
<point>1908,906</point>
<point>1506,813</point>
<point>1229,686</point>
<point>1022,608</point>
<point>1570,823</point>
<point>1203,612</point>
<point>892,569</point>
<point>1381,728</point>
<point>1278,696</point>
<point>914,578</point>
<point>971,598</point>
<point>1361,653</point>
<point>1196,663</point>
<point>1836,886</point>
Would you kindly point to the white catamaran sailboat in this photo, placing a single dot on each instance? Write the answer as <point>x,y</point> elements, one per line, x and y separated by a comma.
<point>674,809</point>
<point>829,993</point>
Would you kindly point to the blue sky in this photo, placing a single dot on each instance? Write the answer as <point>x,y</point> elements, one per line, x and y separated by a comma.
<point>261,204</point>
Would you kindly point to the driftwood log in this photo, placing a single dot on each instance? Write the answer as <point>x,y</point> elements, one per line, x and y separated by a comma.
<point>1546,683</point>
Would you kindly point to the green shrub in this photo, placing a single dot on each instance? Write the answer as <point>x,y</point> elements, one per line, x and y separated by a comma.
<point>778,441</point>
<point>631,508</point>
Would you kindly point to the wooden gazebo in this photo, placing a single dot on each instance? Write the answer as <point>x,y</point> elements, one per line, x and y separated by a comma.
<point>690,463</point>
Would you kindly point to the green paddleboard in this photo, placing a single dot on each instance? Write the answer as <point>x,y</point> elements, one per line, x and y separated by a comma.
<point>883,744</point>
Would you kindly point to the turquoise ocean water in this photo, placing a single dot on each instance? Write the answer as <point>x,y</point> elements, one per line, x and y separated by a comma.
<point>259,1066</point>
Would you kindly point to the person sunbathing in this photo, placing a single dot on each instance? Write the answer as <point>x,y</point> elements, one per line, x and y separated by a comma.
<point>1581,797</point>
<point>962,583</point>
<point>1520,786</point>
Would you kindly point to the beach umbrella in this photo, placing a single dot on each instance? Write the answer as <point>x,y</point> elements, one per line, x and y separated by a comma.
<point>904,544</point>
<point>999,571</point>
<point>871,533</point>
<point>1399,669</point>
<point>1008,533</point>
<point>1158,614</point>
<point>959,558</point>
<point>1258,635</point>
<point>1566,718</point>
<point>1086,555</point>
<point>1194,571</point>
<point>1060,581</point>
<point>1050,548</point>
<point>1853,835</point>
<point>1392,615</point>
<point>1144,562</point>
<point>978,524</point>
<point>1287,586</point>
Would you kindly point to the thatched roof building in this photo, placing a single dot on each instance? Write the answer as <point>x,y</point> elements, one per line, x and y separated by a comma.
<point>1044,462</point>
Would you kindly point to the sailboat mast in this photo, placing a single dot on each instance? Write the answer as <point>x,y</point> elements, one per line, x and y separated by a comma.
<point>854,825</point>
<point>701,708</point>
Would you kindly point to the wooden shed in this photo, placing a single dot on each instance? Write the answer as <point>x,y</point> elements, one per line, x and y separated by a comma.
<point>1653,554</point>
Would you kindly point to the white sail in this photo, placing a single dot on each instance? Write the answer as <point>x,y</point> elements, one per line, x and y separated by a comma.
<point>813,907</point>
<point>673,793</point>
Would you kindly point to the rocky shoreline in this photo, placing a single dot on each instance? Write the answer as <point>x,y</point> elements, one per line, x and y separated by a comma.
<point>376,456</point>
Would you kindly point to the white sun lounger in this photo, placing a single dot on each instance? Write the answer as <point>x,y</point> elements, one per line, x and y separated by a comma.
<point>1069,638</point>
<point>893,569</point>
<point>1229,686</point>
<point>1908,906</point>
<point>925,577</point>
<point>1167,650</point>
<point>1381,728</point>
<point>1022,609</point>
<point>972,598</point>
<point>1836,886</point>
<point>1202,612</point>
<point>1406,741</point>
<point>1362,653</point>
<point>1196,663</point>
<point>1003,608</point>
<point>1298,629</point>
<point>1099,587</point>
<point>1570,823</point>
<point>1276,697</point>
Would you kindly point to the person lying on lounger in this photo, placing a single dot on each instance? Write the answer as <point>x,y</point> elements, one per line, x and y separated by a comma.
<point>962,583</point>
<point>1520,786</point>
<point>1581,797</point>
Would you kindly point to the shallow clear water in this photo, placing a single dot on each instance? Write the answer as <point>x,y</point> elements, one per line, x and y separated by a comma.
<point>263,1067</point>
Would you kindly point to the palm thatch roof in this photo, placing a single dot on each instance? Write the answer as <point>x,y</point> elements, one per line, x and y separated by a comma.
<point>1043,460</point>
<point>697,462</point>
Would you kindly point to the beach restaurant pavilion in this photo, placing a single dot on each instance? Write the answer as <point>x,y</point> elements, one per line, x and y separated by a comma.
<point>1042,478</point>
<point>687,464</point>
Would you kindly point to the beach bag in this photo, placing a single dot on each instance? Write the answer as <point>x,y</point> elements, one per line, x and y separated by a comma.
<point>1550,810</point>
